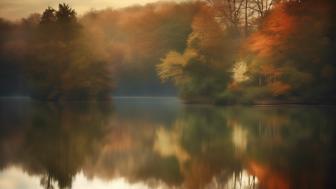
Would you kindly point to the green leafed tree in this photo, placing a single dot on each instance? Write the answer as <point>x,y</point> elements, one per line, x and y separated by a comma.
<point>201,72</point>
<point>61,63</point>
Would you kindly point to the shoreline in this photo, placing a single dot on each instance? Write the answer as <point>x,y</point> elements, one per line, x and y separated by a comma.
<point>183,101</point>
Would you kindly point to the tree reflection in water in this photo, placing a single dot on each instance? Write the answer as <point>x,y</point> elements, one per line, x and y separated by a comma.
<point>165,144</point>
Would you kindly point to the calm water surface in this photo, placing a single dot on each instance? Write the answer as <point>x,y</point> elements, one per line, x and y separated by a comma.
<point>158,143</point>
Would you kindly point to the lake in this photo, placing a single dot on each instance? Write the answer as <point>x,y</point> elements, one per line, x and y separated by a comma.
<point>159,143</point>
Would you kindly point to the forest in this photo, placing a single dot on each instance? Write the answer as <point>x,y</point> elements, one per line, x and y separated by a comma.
<point>205,51</point>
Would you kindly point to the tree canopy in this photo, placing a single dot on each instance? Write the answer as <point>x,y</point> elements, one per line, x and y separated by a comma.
<point>218,51</point>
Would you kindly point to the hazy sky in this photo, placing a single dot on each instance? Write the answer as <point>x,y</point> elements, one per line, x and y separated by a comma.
<point>16,9</point>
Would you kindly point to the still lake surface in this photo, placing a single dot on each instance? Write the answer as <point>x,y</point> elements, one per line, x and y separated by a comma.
<point>158,143</point>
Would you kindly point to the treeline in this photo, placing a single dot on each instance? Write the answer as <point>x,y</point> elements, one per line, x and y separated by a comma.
<point>257,52</point>
<point>61,56</point>
<point>218,51</point>
<point>55,57</point>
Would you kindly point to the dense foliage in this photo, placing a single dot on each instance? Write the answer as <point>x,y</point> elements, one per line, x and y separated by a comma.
<point>217,51</point>
<point>284,54</point>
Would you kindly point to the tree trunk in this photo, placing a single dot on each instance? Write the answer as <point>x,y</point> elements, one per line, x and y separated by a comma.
<point>246,23</point>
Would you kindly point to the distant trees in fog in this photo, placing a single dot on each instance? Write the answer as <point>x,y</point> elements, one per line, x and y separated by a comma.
<point>211,50</point>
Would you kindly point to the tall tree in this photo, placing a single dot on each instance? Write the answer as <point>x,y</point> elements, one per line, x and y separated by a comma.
<point>261,7</point>
<point>48,16</point>
<point>62,64</point>
<point>228,12</point>
<point>65,14</point>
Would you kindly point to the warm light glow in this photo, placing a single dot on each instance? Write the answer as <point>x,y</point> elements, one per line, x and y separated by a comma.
<point>167,144</point>
<point>242,180</point>
<point>81,182</point>
<point>239,72</point>
<point>16,9</point>
<point>15,178</point>
<point>239,137</point>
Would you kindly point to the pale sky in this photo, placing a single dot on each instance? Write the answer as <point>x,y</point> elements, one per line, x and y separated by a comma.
<point>16,9</point>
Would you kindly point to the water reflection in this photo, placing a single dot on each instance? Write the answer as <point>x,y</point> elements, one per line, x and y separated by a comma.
<point>159,143</point>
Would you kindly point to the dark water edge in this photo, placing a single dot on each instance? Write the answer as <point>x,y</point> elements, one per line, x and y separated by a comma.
<point>149,142</point>
<point>189,101</point>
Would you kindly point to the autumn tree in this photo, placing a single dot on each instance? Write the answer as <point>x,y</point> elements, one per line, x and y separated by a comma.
<point>229,12</point>
<point>262,7</point>
<point>200,72</point>
<point>291,50</point>
<point>61,64</point>
<point>241,15</point>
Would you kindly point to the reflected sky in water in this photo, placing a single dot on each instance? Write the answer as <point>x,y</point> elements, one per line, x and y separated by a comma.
<point>150,143</point>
